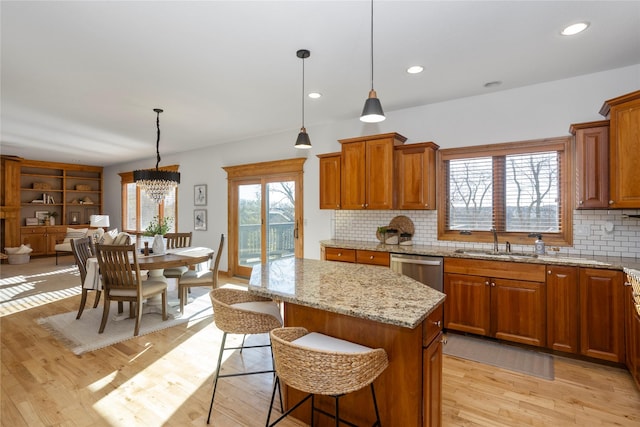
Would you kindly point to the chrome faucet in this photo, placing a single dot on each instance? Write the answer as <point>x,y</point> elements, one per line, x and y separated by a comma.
<point>495,240</point>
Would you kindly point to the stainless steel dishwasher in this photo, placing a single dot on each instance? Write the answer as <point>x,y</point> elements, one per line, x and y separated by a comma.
<point>423,268</point>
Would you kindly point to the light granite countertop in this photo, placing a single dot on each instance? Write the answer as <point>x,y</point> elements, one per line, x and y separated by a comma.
<point>611,263</point>
<point>364,291</point>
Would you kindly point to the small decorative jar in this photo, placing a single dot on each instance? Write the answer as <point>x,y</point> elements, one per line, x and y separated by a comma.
<point>405,239</point>
<point>391,236</point>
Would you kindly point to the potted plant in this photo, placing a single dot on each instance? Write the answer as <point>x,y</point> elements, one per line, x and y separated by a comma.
<point>157,226</point>
<point>51,218</point>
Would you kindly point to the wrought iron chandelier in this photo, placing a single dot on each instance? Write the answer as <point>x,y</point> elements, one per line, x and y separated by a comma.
<point>156,183</point>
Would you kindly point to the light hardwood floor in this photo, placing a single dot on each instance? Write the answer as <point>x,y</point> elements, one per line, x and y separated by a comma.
<point>165,378</point>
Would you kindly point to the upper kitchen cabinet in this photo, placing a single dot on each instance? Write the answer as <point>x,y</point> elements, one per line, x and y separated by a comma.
<point>624,150</point>
<point>416,176</point>
<point>367,168</point>
<point>330,180</point>
<point>592,164</point>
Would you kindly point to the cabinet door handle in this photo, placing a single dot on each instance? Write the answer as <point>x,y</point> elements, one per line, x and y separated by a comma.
<point>580,202</point>
<point>339,253</point>
<point>610,202</point>
<point>493,284</point>
<point>486,283</point>
<point>438,323</point>
<point>627,283</point>
<point>371,257</point>
<point>549,272</point>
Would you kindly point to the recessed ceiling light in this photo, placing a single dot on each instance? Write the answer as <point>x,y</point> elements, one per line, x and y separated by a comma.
<point>314,95</point>
<point>415,69</point>
<point>574,29</point>
<point>493,83</point>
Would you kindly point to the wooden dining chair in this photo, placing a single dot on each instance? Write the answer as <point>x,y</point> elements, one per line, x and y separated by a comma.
<point>83,249</point>
<point>193,278</point>
<point>177,240</point>
<point>121,281</point>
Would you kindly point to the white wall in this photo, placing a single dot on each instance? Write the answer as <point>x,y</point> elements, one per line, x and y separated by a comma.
<point>544,110</point>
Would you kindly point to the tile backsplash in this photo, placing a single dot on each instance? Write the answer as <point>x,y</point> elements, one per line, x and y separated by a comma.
<point>595,232</point>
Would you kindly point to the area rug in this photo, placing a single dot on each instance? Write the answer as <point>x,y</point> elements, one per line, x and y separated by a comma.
<point>81,335</point>
<point>503,356</point>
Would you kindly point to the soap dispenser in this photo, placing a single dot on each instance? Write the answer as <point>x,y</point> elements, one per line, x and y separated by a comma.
<point>539,245</point>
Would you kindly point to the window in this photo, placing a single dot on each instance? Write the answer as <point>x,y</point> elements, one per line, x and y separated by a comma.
<point>517,188</point>
<point>138,210</point>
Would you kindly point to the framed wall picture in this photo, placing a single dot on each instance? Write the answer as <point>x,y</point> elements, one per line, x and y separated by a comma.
<point>200,195</point>
<point>41,216</point>
<point>200,219</point>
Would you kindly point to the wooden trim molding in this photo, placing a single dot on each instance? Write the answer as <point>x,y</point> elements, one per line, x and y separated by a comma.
<point>258,170</point>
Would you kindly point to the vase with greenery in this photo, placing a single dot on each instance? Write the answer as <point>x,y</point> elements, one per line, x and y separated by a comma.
<point>158,226</point>
<point>51,218</point>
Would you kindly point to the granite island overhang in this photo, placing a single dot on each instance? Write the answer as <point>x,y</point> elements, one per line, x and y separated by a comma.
<point>365,291</point>
<point>372,306</point>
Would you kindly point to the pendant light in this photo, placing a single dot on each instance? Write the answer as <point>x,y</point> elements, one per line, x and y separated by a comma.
<point>303,138</point>
<point>156,183</point>
<point>372,111</point>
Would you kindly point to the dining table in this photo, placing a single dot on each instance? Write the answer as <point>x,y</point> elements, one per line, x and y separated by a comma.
<point>155,265</point>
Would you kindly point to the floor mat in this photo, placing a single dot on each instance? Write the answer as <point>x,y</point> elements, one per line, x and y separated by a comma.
<point>503,356</point>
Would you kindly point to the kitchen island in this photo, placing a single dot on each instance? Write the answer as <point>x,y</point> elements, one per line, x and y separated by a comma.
<point>372,306</point>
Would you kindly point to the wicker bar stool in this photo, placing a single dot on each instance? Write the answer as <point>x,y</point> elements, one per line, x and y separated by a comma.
<point>319,364</point>
<point>237,311</point>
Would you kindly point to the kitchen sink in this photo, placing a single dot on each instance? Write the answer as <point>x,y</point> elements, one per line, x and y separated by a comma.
<point>499,254</point>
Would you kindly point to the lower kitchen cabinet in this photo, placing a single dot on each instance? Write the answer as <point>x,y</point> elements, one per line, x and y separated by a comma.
<point>632,334</point>
<point>42,239</point>
<point>602,314</point>
<point>467,307</point>
<point>495,301</point>
<point>563,308</point>
<point>432,383</point>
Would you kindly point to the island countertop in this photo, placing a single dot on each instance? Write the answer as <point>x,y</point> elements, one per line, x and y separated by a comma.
<point>365,291</point>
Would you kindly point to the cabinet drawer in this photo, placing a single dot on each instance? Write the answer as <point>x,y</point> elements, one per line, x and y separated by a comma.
<point>339,254</point>
<point>33,230</point>
<point>497,269</point>
<point>432,326</point>
<point>373,258</point>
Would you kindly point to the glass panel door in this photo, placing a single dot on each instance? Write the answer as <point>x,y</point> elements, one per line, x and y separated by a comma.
<point>249,226</point>
<point>281,219</point>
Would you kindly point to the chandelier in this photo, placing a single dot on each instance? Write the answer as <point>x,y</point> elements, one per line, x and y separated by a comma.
<point>157,184</point>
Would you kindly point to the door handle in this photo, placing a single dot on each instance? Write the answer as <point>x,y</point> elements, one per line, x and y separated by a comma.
<point>295,231</point>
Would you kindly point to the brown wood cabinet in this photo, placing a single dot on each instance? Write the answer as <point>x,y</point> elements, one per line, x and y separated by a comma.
<point>624,150</point>
<point>357,256</point>
<point>9,202</point>
<point>432,338</point>
<point>432,383</point>
<point>632,333</point>
<point>563,308</point>
<point>367,171</point>
<point>330,180</point>
<point>602,314</point>
<point>42,238</point>
<point>64,188</point>
<point>498,299</point>
<point>592,164</point>
<point>416,176</point>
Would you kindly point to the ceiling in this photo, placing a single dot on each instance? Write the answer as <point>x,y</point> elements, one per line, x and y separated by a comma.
<point>80,79</point>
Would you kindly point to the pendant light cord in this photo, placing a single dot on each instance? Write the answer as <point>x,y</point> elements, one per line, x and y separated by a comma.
<point>371,44</point>
<point>303,92</point>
